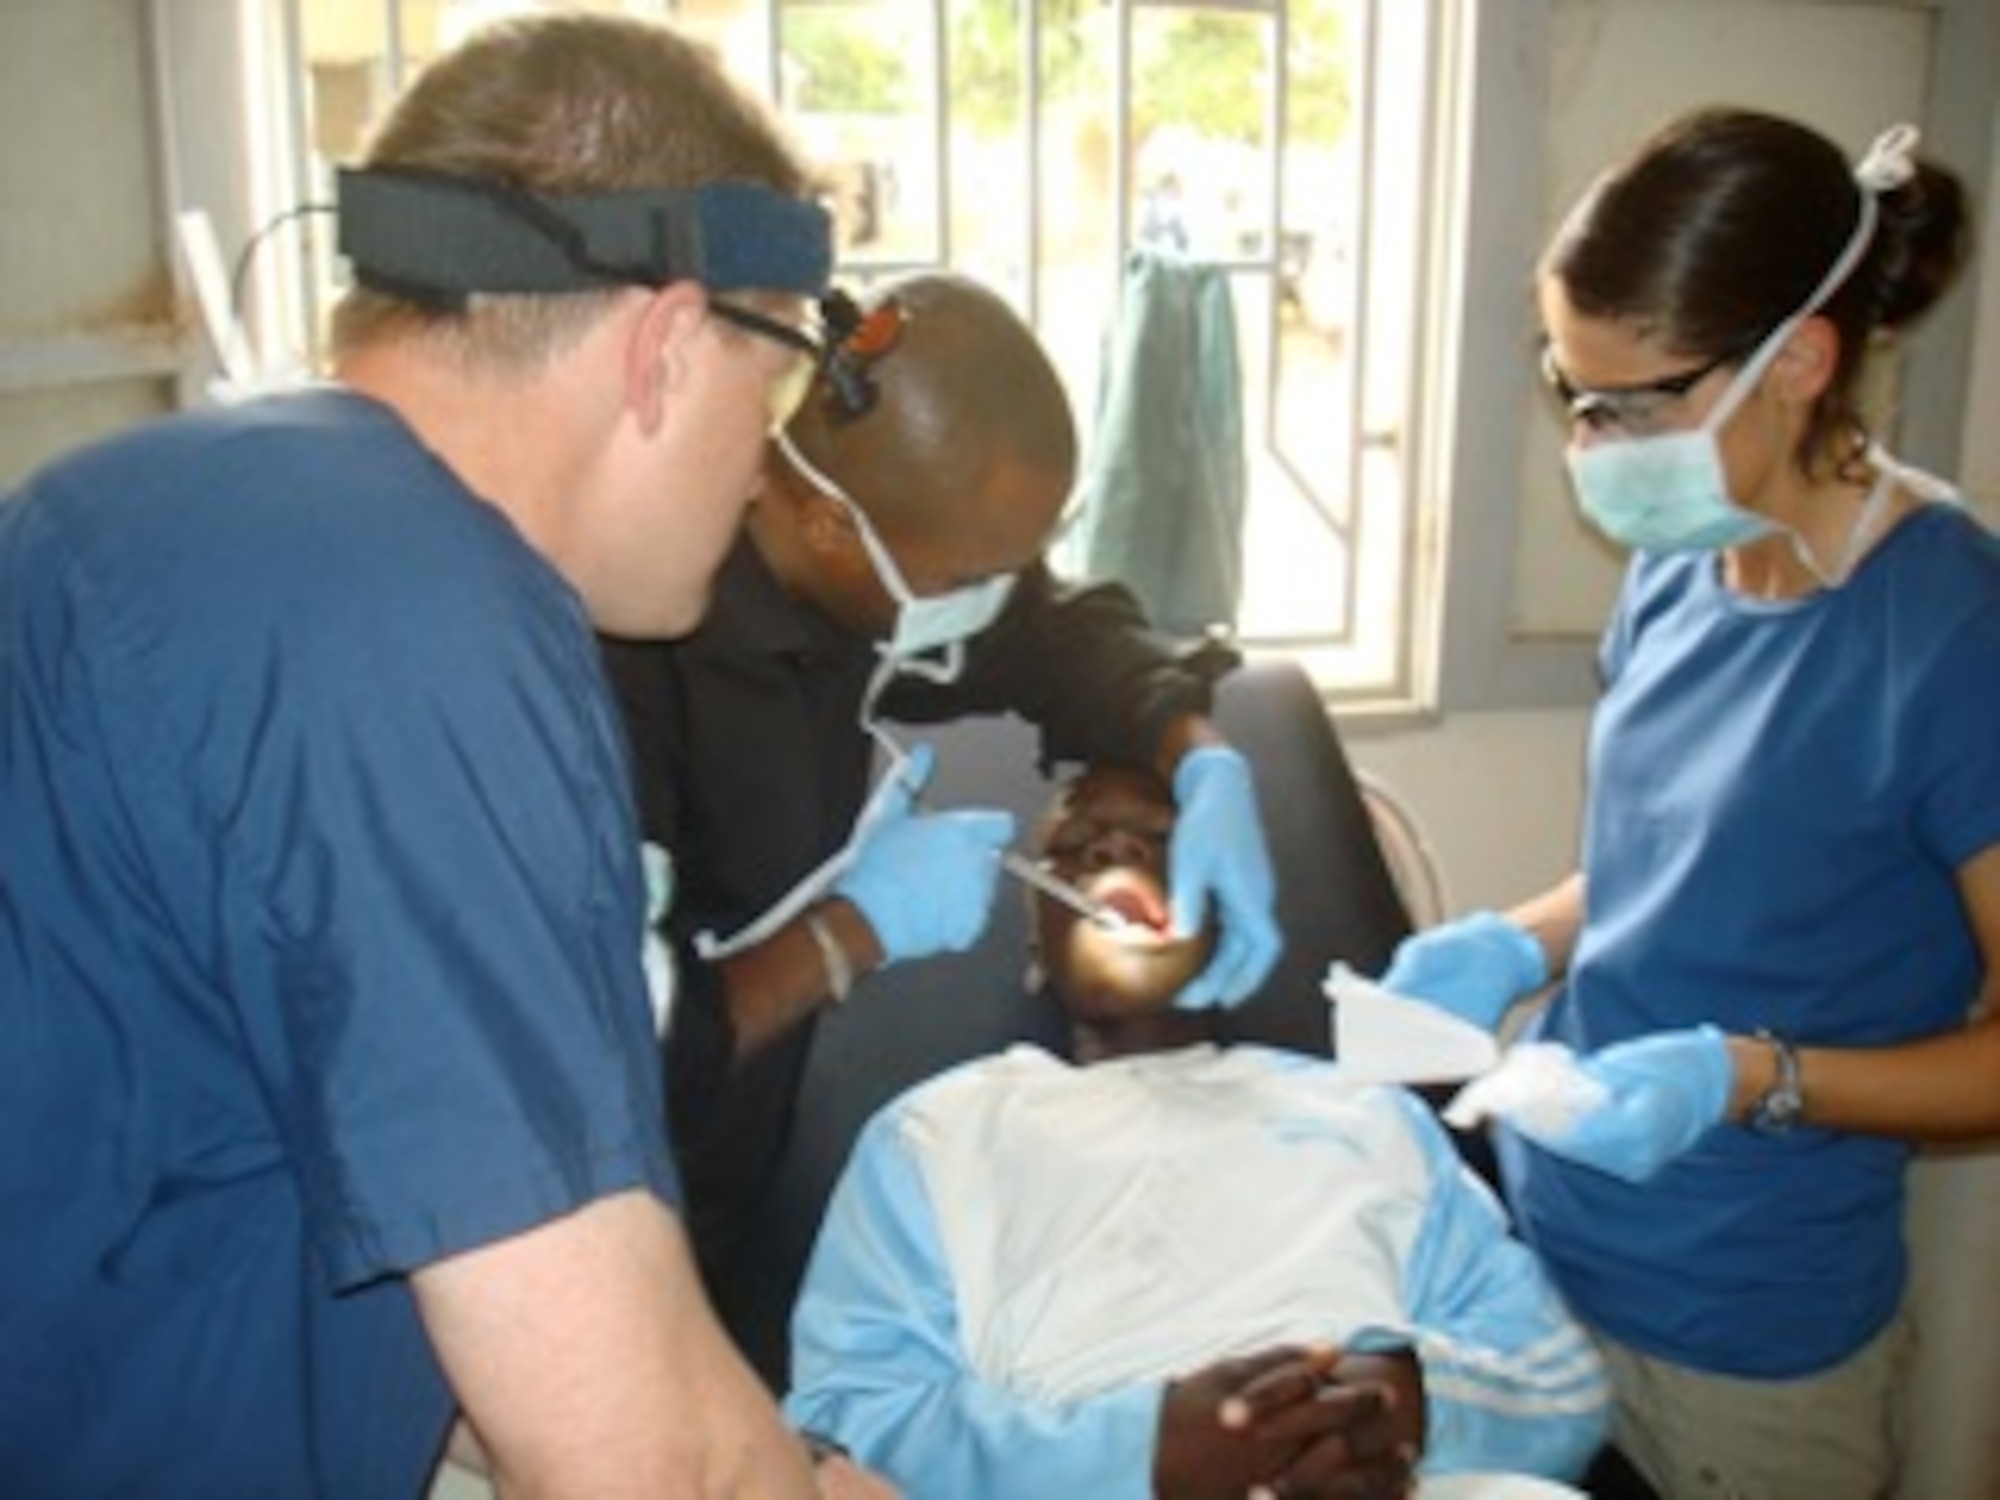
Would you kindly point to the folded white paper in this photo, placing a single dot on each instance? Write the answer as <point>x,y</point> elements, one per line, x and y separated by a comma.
<point>1382,1037</point>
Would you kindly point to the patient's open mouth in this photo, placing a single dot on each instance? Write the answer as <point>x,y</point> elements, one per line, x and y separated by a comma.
<point>1137,902</point>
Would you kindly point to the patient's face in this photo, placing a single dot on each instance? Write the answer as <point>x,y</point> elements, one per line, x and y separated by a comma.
<point>1108,835</point>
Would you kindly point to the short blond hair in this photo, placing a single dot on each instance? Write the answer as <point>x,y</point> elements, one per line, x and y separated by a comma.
<point>561,104</point>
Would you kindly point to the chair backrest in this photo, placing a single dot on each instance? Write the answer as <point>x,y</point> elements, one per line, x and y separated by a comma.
<point>1337,900</point>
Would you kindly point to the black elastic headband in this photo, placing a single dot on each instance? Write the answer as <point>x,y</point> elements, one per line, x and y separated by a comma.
<point>437,238</point>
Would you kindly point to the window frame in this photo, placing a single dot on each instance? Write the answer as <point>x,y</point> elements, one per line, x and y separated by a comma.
<point>1458,650</point>
<point>1485,379</point>
<point>1463,649</point>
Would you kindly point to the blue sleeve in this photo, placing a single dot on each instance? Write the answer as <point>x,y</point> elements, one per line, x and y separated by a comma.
<point>878,1364</point>
<point>466,1045</point>
<point>1511,1381</point>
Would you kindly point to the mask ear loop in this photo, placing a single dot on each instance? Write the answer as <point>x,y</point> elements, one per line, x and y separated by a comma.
<point>1891,160</point>
<point>819,880</point>
<point>950,661</point>
<point>1889,164</point>
<point>1775,341</point>
<point>895,757</point>
<point>878,550</point>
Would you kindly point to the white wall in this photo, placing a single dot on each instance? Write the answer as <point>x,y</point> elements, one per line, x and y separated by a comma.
<point>1498,797</point>
<point>86,335</point>
<point>1979,469</point>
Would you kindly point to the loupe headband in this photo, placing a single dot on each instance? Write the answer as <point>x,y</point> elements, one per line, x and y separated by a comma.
<point>437,238</point>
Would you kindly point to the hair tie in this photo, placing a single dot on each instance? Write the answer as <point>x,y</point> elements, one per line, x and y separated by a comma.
<point>1891,161</point>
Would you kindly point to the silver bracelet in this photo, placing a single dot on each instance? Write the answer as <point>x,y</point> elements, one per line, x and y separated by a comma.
<point>832,957</point>
<point>1783,1105</point>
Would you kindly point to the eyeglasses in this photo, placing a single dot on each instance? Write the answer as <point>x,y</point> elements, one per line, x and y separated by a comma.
<point>789,389</point>
<point>1639,408</point>
<point>845,353</point>
<point>752,321</point>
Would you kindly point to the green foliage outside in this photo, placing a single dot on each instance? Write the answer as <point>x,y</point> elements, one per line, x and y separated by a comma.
<point>846,62</point>
<point>1205,70</point>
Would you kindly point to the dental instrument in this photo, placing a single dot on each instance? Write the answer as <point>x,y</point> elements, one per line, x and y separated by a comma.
<point>1029,872</point>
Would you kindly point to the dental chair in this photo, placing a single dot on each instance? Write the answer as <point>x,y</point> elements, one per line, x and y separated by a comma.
<point>1336,900</point>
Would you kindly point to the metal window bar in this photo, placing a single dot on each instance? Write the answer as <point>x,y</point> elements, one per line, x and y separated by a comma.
<point>1346,525</point>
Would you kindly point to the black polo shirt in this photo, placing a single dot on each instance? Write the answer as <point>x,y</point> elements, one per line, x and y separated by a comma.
<point>750,767</point>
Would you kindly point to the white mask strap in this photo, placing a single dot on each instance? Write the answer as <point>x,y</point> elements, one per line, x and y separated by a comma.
<point>878,551</point>
<point>1888,165</point>
<point>1891,160</point>
<point>1872,511</point>
<point>815,883</point>
<point>1857,536</point>
<point>885,670</point>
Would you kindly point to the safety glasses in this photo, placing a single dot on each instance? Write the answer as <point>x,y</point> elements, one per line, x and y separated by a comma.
<point>790,388</point>
<point>1642,407</point>
<point>849,343</point>
<point>752,321</point>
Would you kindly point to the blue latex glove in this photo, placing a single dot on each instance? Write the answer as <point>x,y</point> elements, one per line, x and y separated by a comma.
<point>925,881</point>
<point>1476,967</point>
<point>1663,1092</point>
<point>1218,854</point>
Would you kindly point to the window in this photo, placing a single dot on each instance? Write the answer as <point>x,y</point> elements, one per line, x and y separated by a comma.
<point>1036,144</point>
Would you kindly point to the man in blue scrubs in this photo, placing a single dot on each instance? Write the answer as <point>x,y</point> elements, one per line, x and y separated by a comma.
<point>331,1094</point>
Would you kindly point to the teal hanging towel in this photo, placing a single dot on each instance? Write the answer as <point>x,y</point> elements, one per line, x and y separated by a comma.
<point>1163,486</point>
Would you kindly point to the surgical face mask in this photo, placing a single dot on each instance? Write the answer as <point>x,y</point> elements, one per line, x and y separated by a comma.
<point>924,623</point>
<point>1668,492</point>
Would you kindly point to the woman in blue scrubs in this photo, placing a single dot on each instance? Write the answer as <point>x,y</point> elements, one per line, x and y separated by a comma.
<point>1774,969</point>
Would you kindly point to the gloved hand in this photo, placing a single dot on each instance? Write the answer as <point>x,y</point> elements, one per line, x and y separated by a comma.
<point>1475,968</point>
<point>925,881</point>
<point>1218,852</point>
<point>1663,1093</point>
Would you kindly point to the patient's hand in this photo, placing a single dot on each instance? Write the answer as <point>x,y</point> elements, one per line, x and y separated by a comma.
<point>1374,1451</point>
<point>1289,1422</point>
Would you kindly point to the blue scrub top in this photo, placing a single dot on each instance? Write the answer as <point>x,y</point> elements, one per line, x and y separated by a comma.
<point>320,918</point>
<point>1781,797</point>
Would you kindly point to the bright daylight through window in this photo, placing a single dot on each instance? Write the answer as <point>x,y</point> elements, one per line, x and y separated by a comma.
<point>1040,145</point>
